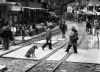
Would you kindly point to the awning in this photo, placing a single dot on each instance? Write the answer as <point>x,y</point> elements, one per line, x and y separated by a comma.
<point>34,8</point>
<point>10,3</point>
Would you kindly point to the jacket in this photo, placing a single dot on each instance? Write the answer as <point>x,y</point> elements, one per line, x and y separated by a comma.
<point>48,34</point>
<point>73,37</point>
<point>63,27</point>
<point>6,33</point>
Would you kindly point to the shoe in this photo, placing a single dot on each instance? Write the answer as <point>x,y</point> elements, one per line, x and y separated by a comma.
<point>67,51</point>
<point>14,44</point>
<point>75,52</point>
<point>42,48</point>
<point>50,48</point>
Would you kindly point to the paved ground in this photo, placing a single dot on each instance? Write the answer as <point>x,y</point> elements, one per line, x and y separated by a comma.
<point>33,39</point>
<point>39,52</point>
<point>20,53</point>
<point>87,59</point>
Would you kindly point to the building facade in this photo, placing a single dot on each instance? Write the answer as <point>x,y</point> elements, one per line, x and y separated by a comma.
<point>3,9</point>
<point>22,11</point>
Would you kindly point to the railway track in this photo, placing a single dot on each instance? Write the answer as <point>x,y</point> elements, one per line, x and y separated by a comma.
<point>37,62</point>
<point>60,62</point>
<point>44,58</point>
<point>64,58</point>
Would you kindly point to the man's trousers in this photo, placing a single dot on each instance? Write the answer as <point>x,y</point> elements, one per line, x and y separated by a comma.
<point>74,48</point>
<point>49,43</point>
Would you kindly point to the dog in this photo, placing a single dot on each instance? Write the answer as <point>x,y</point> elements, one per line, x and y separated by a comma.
<point>31,52</point>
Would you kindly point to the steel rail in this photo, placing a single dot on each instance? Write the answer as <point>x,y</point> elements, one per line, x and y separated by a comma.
<point>28,43</point>
<point>41,60</point>
<point>65,57</point>
<point>45,57</point>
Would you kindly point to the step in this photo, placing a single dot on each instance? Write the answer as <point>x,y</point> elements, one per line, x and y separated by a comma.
<point>2,68</point>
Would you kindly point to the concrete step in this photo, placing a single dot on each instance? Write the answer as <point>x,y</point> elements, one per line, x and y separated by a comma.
<point>85,56</point>
<point>2,68</point>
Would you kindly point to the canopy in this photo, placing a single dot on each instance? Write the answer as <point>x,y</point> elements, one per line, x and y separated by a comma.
<point>33,8</point>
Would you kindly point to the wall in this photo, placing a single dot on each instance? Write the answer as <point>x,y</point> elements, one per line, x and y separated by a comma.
<point>34,4</point>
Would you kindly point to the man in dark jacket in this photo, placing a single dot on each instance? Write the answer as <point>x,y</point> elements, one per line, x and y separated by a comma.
<point>48,39</point>
<point>88,27</point>
<point>63,28</point>
<point>73,40</point>
<point>7,36</point>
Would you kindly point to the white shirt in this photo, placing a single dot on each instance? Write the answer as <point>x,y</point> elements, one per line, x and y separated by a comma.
<point>13,29</point>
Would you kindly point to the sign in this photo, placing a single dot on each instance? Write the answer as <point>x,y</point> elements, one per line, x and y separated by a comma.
<point>69,9</point>
<point>16,8</point>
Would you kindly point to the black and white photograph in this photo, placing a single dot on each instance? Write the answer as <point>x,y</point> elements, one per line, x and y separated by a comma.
<point>49,35</point>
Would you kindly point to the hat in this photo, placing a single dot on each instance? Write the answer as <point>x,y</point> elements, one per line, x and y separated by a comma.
<point>73,29</point>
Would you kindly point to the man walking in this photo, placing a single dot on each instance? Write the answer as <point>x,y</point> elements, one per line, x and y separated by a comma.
<point>48,39</point>
<point>7,36</point>
<point>88,27</point>
<point>63,28</point>
<point>73,40</point>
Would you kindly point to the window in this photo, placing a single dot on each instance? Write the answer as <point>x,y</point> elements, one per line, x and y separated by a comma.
<point>97,8</point>
<point>90,8</point>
